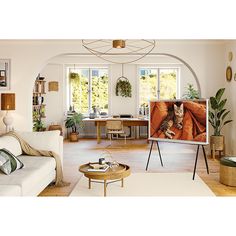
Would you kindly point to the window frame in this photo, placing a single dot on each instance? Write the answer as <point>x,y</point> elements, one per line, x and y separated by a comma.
<point>158,67</point>
<point>89,68</point>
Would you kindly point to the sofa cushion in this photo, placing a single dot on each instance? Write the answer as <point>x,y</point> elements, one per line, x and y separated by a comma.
<point>36,170</point>
<point>48,140</point>
<point>11,144</point>
<point>10,190</point>
<point>8,162</point>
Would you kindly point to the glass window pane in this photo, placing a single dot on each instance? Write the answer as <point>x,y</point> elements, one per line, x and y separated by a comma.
<point>79,91</point>
<point>84,73</point>
<point>147,86</point>
<point>168,83</point>
<point>100,89</point>
<point>95,73</point>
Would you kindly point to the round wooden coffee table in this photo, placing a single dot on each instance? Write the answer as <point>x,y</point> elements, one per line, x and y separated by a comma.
<point>110,176</point>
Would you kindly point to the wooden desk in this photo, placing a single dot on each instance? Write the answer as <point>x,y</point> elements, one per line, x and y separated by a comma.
<point>126,122</point>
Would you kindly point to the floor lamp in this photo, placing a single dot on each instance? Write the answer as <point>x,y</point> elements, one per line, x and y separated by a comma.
<point>8,104</point>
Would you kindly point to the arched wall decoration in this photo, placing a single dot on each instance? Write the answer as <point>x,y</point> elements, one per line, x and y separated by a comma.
<point>187,65</point>
<point>150,54</point>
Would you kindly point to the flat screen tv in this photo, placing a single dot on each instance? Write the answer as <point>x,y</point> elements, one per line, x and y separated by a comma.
<point>184,121</point>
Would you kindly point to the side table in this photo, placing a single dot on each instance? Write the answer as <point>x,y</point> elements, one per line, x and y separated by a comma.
<point>110,176</point>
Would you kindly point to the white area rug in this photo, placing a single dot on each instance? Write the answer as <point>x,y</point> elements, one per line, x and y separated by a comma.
<point>147,184</point>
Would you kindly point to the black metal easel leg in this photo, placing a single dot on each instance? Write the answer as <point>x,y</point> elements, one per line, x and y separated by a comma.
<point>149,155</point>
<point>195,165</point>
<point>204,153</point>
<point>159,153</point>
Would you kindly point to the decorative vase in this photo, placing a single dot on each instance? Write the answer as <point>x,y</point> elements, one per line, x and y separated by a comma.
<point>92,115</point>
<point>40,100</point>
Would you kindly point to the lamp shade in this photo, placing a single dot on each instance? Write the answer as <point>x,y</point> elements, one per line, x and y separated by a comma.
<point>118,43</point>
<point>7,101</point>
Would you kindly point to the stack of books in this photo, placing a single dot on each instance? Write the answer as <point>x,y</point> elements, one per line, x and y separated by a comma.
<point>96,167</point>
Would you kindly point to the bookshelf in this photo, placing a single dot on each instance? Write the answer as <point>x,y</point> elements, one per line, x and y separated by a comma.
<point>38,100</point>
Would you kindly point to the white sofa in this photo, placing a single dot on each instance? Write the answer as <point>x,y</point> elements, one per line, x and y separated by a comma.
<point>38,172</point>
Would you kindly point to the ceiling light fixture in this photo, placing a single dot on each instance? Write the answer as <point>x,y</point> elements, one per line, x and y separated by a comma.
<point>118,43</point>
<point>119,51</point>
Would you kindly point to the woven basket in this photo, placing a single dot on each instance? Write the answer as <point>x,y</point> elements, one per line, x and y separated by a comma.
<point>218,141</point>
<point>74,137</point>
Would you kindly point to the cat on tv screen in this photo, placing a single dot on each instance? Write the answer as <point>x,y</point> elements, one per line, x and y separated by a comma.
<point>179,121</point>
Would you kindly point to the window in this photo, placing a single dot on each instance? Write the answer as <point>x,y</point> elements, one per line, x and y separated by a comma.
<point>157,83</point>
<point>89,89</point>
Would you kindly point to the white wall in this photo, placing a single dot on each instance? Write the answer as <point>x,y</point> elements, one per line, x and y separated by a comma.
<point>230,129</point>
<point>28,58</point>
<point>54,99</point>
<point>123,105</point>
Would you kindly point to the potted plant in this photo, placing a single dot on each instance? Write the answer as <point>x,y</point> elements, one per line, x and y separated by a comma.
<point>39,126</point>
<point>191,92</point>
<point>73,75</point>
<point>123,87</point>
<point>217,117</point>
<point>74,122</point>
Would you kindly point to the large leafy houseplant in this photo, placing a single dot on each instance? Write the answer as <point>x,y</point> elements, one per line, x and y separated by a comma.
<point>74,122</point>
<point>218,114</point>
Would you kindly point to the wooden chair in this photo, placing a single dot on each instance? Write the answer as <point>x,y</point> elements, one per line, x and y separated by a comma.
<point>115,126</point>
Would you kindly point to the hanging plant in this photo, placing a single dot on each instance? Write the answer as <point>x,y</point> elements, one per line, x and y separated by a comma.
<point>123,87</point>
<point>73,75</point>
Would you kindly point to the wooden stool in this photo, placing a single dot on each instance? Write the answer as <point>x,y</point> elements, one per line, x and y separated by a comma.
<point>228,171</point>
<point>213,150</point>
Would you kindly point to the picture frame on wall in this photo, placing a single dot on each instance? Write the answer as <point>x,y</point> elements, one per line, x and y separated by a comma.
<point>4,74</point>
<point>229,73</point>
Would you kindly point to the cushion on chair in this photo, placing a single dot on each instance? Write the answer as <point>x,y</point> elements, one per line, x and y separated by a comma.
<point>116,132</point>
<point>228,161</point>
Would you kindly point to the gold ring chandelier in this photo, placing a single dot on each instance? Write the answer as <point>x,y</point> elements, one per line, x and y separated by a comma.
<point>118,50</point>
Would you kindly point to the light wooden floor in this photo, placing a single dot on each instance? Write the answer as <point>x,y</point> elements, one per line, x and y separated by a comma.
<point>176,158</point>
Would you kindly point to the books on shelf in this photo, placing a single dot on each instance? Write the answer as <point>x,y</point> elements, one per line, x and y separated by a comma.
<point>96,167</point>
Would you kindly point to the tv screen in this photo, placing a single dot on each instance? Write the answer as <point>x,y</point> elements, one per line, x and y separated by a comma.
<point>184,121</point>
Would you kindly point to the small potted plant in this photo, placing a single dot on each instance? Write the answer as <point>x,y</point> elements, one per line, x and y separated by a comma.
<point>39,126</point>
<point>191,92</point>
<point>217,117</point>
<point>74,122</point>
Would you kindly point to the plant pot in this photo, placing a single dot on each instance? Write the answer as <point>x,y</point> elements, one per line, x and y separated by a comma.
<point>218,142</point>
<point>74,137</point>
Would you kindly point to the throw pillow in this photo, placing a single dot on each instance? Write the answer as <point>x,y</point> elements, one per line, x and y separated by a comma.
<point>12,144</point>
<point>8,162</point>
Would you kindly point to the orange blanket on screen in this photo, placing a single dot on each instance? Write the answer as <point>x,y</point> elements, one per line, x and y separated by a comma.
<point>194,121</point>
